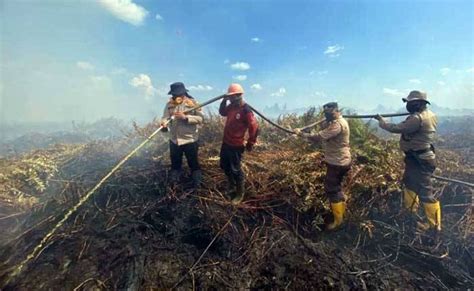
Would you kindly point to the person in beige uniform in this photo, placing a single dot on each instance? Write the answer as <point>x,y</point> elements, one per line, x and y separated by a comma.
<point>417,135</point>
<point>334,136</point>
<point>184,132</point>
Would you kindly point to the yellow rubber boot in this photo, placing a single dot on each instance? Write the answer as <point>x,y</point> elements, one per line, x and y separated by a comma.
<point>338,210</point>
<point>410,200</point>
<point>433,214</point>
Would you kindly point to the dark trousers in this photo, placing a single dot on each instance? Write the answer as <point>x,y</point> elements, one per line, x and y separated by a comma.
<point>230,161</point>
<point>333,182</point>
<point>190,150</point>
<point>417,176</point>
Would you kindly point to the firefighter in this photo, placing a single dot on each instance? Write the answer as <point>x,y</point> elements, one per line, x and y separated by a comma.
<point>184,132</point>
<point>239,120</point>
<point>334,136</point>
<point>417,135</point>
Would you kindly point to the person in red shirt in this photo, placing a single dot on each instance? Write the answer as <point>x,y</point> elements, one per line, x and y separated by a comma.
<point>240,119</point>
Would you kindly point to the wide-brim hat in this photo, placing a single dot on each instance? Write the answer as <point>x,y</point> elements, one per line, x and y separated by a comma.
<point>416,95</point>
<point>178,89</point>
<point>331,105</point>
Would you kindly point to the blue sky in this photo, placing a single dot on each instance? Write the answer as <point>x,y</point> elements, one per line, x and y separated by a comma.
<point>82,60</point>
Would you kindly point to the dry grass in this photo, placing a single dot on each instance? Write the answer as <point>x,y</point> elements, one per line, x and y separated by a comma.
<point>137,232</point>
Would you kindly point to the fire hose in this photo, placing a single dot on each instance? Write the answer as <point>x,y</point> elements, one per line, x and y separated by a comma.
<point>354,116</point>
<point>290,131</point>
<point>86,197</point>
<point>39,248</point>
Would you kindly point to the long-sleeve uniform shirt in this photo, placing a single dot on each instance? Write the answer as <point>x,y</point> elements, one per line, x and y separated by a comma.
<point>183,131</point>
<point>240,118</point>
<point>334,136</point>
<point>417,133</point>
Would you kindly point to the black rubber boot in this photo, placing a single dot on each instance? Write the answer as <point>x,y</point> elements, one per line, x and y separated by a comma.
<point>174,177</point>
<point>197,179</point>
<point>230,186</point>
<point>239,192</point>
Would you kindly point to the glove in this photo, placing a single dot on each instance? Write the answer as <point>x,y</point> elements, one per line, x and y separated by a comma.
<point>249,147</point>
<point>378,117</point>
<point>300,133</point>
<point>164,127</point>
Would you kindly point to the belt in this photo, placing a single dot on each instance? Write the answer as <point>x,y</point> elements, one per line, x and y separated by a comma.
<point>419,152</point>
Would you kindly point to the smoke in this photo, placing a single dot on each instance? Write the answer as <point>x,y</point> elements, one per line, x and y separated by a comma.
<point>42,90</point>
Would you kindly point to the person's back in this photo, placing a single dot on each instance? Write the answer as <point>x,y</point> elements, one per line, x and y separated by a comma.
<point>423,137</point>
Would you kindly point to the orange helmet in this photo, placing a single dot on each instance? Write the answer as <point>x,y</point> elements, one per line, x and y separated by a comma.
<point>235,89</point>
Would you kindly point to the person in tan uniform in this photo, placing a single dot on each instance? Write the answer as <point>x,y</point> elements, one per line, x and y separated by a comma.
<point>416,141</point>
<point>184,132</point>
<point>334,136</point>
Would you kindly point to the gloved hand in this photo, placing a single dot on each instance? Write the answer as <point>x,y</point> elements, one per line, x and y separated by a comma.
<point>299,132</point>
<point>164,126</point>
<point>249,147</point>
<point>379,118</point>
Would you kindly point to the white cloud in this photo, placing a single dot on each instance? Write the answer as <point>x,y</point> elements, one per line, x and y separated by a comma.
<point>256,87</point>
<point>333,51</point>
<point>414,81</point>
<point>240,77</point>
<point>441,83</point>
<point>393,92</point>
<point>143,81</point>
<point>126,10</point>
<point>470,70</point>
<point>255,39</point>
<point>158,17</point>
<point>84,65</point>
<point>280,93</point>
<point>240,66</point>
<point>445,71</point>
<point>201,88</point>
